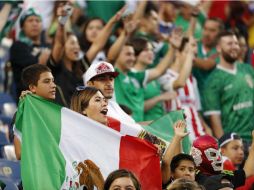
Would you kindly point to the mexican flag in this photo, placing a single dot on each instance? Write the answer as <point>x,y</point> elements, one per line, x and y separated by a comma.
<point>62,149</point>
<point>163,129</point>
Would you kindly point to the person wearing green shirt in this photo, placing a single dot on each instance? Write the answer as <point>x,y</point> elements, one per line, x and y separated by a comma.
<point>207,56</point>
<point>153,97</point>
<point>229,92</point>
<point>149,29</point>
<point>184,17</point>
<point>130,84</point>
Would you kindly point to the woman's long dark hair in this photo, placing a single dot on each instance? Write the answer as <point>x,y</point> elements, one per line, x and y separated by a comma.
<point>83,41</point>
<point>119,174</point>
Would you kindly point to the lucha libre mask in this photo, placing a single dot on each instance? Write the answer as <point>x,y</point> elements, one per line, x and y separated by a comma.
<point>206,155</point>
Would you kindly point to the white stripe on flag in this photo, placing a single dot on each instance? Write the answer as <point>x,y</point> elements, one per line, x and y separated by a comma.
<point>87,144</point>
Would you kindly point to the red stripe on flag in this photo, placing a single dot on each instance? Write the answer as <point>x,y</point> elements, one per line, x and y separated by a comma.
<point>194,123</point>
<point>114,124</point>
<point>140,157</point>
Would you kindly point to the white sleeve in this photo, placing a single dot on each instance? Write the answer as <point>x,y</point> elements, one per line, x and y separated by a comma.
<point>167,80</point>
<point>197,96</point>
<point>17,133</point>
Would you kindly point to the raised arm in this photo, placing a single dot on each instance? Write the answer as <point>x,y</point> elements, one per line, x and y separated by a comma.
<point>102,39</point>
<point>139,13</point>
<point>185,71</point>
<point>150,103</point>
<point>17,147</point>
<point>129,27</point>
<point>205,64</point>
<point>216,125</point>
<point>58,45</point>
<point>175,41</point>
<point>4,14</point>
<point>173,149</point>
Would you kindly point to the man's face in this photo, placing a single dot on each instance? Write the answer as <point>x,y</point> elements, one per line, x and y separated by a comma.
<point>32,27</point>
<point>185,169</point>
<point>45,87</point>
<point>105,83</point>
<point>152,22</point>
<point>210,33</point>
<point>126,58</point>
<point>229,48</point>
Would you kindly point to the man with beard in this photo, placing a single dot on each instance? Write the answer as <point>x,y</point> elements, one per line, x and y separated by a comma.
<point>229,92</point>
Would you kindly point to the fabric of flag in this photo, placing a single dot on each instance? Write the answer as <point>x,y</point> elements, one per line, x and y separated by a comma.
<point>62,149</point>
<point>162,128</point>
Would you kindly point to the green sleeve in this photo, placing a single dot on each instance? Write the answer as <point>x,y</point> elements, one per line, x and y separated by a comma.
<point>201,18</point>
<point>139,76</point>
<point>212,93</point>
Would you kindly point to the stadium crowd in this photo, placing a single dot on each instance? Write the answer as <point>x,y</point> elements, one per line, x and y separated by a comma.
<point>143,59</point>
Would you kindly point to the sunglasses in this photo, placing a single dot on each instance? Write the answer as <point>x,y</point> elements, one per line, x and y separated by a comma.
<point>80,88</point>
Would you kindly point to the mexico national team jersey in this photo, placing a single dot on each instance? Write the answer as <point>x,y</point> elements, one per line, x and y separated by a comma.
<point>200,74</point>
<point>152,90</point>
<point>230,93</point>
<point>129,92</point>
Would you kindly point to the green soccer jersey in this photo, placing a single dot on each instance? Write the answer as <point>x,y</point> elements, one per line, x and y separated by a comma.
<point>129,91</point>
<point>200,74</point>
<point>231,94</point>
<point>152,90</point>
<point>184,24</point>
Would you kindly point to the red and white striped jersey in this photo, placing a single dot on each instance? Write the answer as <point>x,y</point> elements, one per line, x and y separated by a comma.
<point>188,99</point>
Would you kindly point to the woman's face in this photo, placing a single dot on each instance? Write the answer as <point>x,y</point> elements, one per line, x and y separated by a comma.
<point>72,48</point>
<point>97,108</point>
<point>147,55</point>
<point>122,183</point>
<point>93,29</point>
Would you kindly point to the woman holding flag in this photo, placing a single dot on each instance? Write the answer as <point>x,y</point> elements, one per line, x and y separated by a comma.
<point>90,102</point>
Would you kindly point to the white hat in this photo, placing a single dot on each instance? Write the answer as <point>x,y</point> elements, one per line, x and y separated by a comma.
<point>191,2</point>
<point>100,68</point>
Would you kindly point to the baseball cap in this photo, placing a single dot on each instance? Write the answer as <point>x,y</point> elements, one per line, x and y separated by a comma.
<point>26,14</point>
<point>215,182</point>
<point>228,137</point>
<point>100,68</point>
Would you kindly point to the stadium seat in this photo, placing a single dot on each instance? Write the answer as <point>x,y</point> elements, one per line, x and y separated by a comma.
<point>3,139</point>
<point>8,152</point>
<point>5,119</point>
<point>7,184</point>
<point>10,170</point>
<point>7,105</point>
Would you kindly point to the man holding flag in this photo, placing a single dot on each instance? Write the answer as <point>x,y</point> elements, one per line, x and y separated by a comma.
<point>69,145</point>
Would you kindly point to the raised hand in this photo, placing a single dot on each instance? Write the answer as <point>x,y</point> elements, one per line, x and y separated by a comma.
<point>191,46</point>
<point>129,25</point>
<point>179,129</point>
<point>119,14</point>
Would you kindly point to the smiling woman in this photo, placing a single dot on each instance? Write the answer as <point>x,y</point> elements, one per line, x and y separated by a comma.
<point>90,102</point>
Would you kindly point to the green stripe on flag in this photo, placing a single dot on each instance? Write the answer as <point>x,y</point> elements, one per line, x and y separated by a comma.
<point>163,128</point>
<point>40,124</point>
